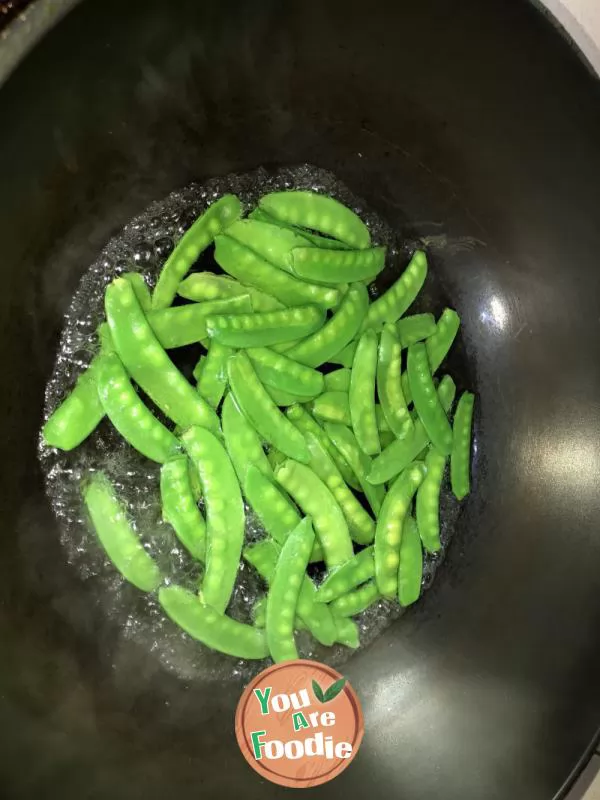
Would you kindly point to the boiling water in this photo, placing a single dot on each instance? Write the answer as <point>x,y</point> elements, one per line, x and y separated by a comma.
<point>143,246</point>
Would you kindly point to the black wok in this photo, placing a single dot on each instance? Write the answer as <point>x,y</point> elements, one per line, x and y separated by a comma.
<point>452,120</point>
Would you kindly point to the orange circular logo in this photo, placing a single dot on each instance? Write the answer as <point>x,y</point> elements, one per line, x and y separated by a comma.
<point>299,723</point>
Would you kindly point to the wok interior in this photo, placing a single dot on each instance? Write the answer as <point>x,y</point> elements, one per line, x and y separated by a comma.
<point>455,124</point>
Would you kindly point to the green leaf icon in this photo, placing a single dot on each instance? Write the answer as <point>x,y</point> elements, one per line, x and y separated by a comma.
<point>334,690</point>
<point>318,692</point>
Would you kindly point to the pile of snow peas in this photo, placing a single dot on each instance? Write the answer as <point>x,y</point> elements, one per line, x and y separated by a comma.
<point>312,406</point>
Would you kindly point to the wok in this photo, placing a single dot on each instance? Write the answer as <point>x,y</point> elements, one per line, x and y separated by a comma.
<point>455,122</point>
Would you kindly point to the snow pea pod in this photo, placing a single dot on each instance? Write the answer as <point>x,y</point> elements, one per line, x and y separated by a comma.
<point>215,220</point>
<point>346,632</point>
<point>242,442</point>
<point>271,242</point>
<point>332,407</point>
<point>277,514</point>
<point>357,570</point>
<point>224,515</point>
<point>265,328</point>
<point>362,394</point>
<point>183,325</point>
<point>315,239</point>
<point>360,524</point>
<point>338,380</point>
<point>130,416</point>
<point>281,372</point>
<point>345,356</point>
<point>356,601</point>
<point>263,556</point>
<point>307,424</point>
<point>284,590</point>
<point>258,408</point>
<point>282,398</point>
<point>337,331</point>
<point>116,535</point>
<point>428,500</point>
<point>389,387</point>
<point>399,454</point>
<point>179,507</point>
<point>259,612</point>
<point>139,286</point>
<point>393,303</point>
<point>345,442</point>
<point>206,286</point>
<point>415,328</point>
<point>337,266</point>
<point>317,212</point>
<point>248,267</point>
<point>315,499</point>
<point>439,343</point>
<point>212,379</point>
<point>81,410</point>
<point>461,446</point>
<point>215,630</point>
<point>148,364</point>
<point>389,527</point>
<point>427,404</point>
<point>410,569</point>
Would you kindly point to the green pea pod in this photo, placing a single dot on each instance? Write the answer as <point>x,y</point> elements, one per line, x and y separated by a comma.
<point>317,212</point>
<point>259,612</point>
<point>337,266</point>
<point>284,591</point>
<point>125,409</point>
<point>393,303</point>
<point>147,362</point>
<point>212,379</point>
<point>254,402</point>
<point>360,463</point>
<point>356,601</point>
<point>265,328</point>
<point>224,515</point>
<point>338,380</point>
<point>282,398</point>
<point>401,452</point>
<point>337,331</point>
<point>315,499</point>
<point>271,242</point>
<point>324,242</point>
<point>382,423</point>
<point>205,286</point>
<point>362,394</point>
<point>248,267</point>
<point>277,514</point>
<point>345,356</point>
<point>307,424</point>
<point>427,404</point>
<point>116,535</point>
<point>215,220</point>
<point>317,616</point>
<point>439,343</point>
<point>183,325</point>
<point>360,524</point>
<point>179,507</point>
<point>410,568</point>
<point>415,328</point>
<point>347,632</point>
<point>461,446</point>
<point>278,371</point>
<point>389,387</point>
<point>388,534</point>
<point>215,630</point>
<point>81,411</point>
<point>242,442</point>
<point>357,570</point>
<point>332,407</point>
<point>139,286</point>
<point>428,500</point>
